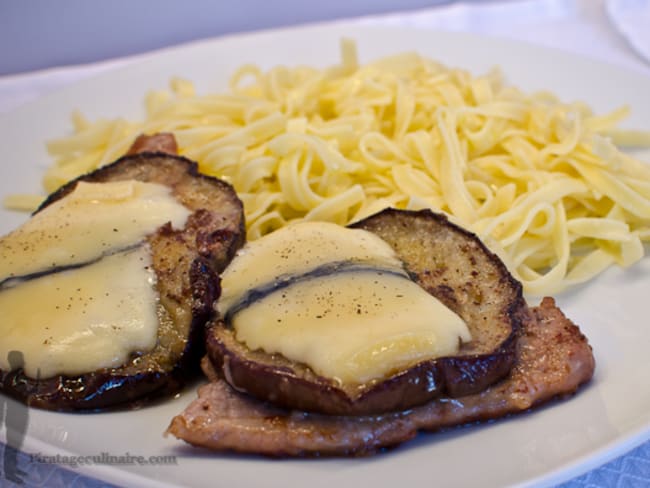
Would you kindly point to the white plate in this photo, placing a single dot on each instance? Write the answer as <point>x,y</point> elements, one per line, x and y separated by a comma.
<point>552,444</point>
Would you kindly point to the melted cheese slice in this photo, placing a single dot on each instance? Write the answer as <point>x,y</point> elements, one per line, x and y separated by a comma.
<point>95,219</point>
<point>362,321</point>
<point>83,319</point>
<point>299,248</point>
<point>76,282</point>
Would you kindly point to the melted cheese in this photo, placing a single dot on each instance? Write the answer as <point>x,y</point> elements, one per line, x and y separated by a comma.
<point>95,219</point>
<point>359,320</point>
<point>298,248</point>
<point>82,319</point>
<point>76,282</point>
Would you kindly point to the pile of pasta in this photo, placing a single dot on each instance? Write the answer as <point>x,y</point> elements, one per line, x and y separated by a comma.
<point>540,181</point>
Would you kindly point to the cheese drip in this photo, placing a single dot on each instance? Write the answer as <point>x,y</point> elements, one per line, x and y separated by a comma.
<point>76,280</point>
<point>339,302</point>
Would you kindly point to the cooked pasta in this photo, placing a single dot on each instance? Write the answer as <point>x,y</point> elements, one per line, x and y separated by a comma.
<point>540,181</point>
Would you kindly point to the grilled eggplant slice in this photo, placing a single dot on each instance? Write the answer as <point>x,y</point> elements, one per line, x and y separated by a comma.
<point>451,264</point>
<point>186,262</point>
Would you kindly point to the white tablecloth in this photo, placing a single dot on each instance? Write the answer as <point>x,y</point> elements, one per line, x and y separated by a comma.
<point>614,31</point>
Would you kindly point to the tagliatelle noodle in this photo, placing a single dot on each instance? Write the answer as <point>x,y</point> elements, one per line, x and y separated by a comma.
<point>540,181</point>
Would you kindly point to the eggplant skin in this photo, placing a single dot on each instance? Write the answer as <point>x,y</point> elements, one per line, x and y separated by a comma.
<point>187,263</point>
<point>451,264</point>
<point>98,390</point>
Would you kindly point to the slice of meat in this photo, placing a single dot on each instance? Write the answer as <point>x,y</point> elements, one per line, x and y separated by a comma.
<point>160,142</point>
<point>553,360</point>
